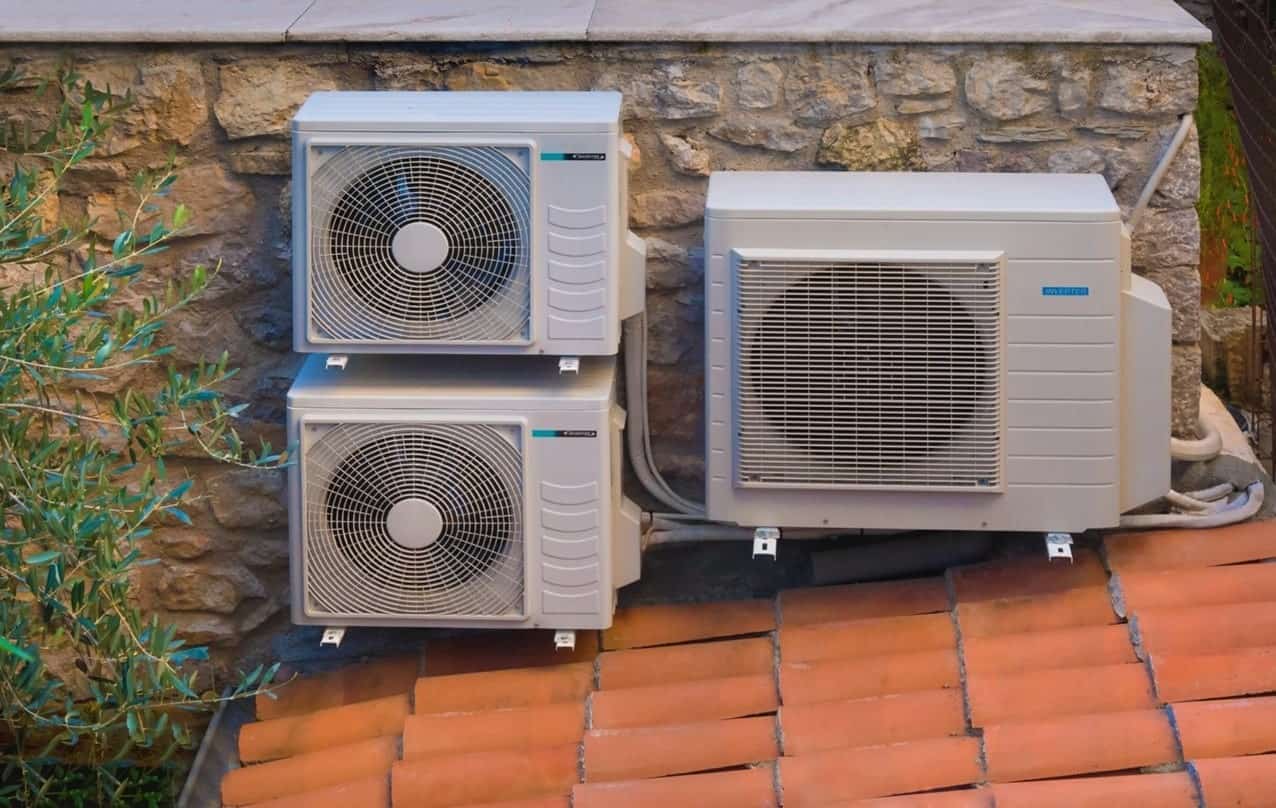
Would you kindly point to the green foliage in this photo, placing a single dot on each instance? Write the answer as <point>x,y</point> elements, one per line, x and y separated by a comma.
<point>1227,226</point>
<point>85,676</point>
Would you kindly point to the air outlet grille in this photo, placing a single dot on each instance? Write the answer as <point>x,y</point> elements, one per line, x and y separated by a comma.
<point>869,375</point>
<point>422,520</point>
<point>420,244</point>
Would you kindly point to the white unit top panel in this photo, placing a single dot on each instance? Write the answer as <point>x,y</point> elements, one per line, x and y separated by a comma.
<point>373,381</point>
<point>442,111</point>
<point>904,195</point>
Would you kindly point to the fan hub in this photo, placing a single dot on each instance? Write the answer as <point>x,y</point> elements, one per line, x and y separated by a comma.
<point>419,247</point>
<point>414,523</point>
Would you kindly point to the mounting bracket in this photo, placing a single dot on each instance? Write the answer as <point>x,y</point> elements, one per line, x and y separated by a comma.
<point>766,542</point>
<point>569,364</point>
<point>1059,545</point>
<point>332,635</point>
<point>336,362</point>
<point>565,640</point>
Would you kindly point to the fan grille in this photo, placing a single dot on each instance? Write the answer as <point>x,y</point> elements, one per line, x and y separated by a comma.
<point>468,563</point>
<point>478,198</point>
<point>869,375</point>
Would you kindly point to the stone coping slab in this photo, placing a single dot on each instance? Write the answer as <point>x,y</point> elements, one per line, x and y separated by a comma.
<point>849,21</point>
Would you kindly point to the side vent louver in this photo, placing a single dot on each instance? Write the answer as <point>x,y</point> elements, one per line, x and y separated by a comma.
<point>869,375</point>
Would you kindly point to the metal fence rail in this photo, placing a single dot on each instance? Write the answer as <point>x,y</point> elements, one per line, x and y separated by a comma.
<point>1247,42</point>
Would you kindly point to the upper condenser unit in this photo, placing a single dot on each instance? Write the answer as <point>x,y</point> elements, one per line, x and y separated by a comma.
<point>929,351</point>
<point>461,222</point>
<point>451,491</point>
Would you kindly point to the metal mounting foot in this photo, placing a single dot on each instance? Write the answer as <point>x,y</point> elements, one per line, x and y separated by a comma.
<point>766,542</point>
<point>336,362</point>
<point>569,364</point>
<point>333,635</point>
<point>1059,545</point>
<point>565,640</point>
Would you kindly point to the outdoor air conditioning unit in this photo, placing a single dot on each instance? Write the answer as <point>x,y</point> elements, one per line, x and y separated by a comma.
<point>929,351</point>
<point>459,222</point>
<point>455,491</point>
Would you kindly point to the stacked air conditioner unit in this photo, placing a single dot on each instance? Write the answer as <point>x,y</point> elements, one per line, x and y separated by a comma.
<point>463,488</point>
<point>929,351</point>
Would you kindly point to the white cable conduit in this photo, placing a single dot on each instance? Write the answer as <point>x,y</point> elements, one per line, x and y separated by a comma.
<point>1198,451</point>
<point>1244,507</point>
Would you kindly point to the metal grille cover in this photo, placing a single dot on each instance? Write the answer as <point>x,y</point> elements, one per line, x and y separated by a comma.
<point>476,200</point>
<point>414,519</point>
<point>869,375</point>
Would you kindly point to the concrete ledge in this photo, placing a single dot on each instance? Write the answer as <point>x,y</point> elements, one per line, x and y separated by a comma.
<point>848,21</point>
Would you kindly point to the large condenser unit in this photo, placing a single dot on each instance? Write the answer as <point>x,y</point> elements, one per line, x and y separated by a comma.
<point>929,351</point>
<point>456,491</point>
<point>462,222</point>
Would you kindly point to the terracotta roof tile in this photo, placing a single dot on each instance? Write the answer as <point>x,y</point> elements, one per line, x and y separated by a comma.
<point>1241,782</point>
<point>1173,549</point>
<point>684,702</point>
<point>630,754</point>
<point>1167,790</point>
<point>997,699</point>
<point>373,792</point>
<point>1209,729</point>
<point>1243,672</point>
<point>498,650</point>
<point>491,690</point>
<point>1026,576</point>
<point>563,801</point>
<point>1044,650</point>
<point>311,772</point>
<point>686,663</point>
<point>868,722</point>
<point>667,624</point>
<point>826,604</point>
<point>842,679</point>
<point>516,728</point>
<point>1206,629</point>
<point>556,801</point>
<point>854,639</point>
<point>1085,606</point>
<point>354,683</point>
<point>1084,744</point>
<point>1242,583</point>
<point>335,726</point>
<point>961,798</point>
<point>451,780</point>
<point>740,788</point>
<point>878,771</point>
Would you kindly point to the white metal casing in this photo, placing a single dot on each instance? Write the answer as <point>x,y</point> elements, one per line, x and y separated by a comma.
<point>580,538</point>
<point>570,147</point>
<point>1079,430</point>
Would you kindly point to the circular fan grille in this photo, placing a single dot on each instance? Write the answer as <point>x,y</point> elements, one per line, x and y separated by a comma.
<point>371,275</point>
<point>877,375</point>
<point>364,558</point>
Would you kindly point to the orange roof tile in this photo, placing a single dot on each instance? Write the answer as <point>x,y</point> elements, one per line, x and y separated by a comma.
<point>683,702</point>
<point>853,639</point>
<point>1083,606</point>
<point>444,781</point>
<point>354,683</point>
<point>868,722</point>
<point>827,604</point>
<point>1242,672</point>
<point>1048,649</point>
<point>740,788</point>
<point>295,735</point>
<point>491,690</point>
<point>1028,576</point>
<point>665,625</point>
<point>842,679</point>
<point>310,772</point>
<point>1175,549</point>
<point>488,730</point>
<point>878,771</point>
<point>373,792</point>
<point>1249,782</point>
<point>1209,729</point>
<point>1166,790</point>
<point>639,667</point>
<point>630,754</point>
<point>997,699</point>
<point>1084,744</point>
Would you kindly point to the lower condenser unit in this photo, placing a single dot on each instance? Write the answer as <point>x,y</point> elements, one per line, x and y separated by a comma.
<point>929,351</point>
<point>458,492</point>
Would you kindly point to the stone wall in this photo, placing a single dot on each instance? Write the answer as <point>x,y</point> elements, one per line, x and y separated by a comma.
<point>690,109</point>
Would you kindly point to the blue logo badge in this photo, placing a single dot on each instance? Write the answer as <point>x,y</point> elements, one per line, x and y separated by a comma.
<point>1065,291</point>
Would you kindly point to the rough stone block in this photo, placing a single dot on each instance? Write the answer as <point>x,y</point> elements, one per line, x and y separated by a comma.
<point>824,90</point>
<point>687,155</point>
<point>1166,238</point>
<point>778,135</point>
<point>882,145</point>
<point>758,85</point>
<point>1152,86</point>
<point>1185,395</point>
<point>1182,286</point>
<point>260,97</point>
<point>1005,89</point>
<point>244,498</point>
